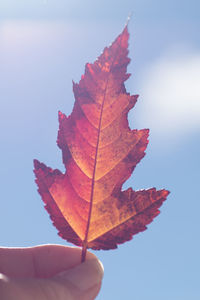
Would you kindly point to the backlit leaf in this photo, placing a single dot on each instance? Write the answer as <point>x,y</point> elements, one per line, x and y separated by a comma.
<point>100,151</point>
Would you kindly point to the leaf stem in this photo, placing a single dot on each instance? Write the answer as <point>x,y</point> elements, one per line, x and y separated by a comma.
<point>84,251</point>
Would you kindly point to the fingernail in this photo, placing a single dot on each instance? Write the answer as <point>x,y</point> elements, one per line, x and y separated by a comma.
<point>84,276</point>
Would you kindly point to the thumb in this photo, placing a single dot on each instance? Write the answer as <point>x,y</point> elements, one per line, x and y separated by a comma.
<point>81,282</point>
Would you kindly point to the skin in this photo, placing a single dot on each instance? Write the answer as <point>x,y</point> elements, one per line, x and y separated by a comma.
<point>50,272</point>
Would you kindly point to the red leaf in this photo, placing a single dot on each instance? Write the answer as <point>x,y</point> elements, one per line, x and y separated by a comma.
<point>100,152</point>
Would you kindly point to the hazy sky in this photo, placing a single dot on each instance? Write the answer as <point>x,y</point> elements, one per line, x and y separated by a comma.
<point>44,45</point>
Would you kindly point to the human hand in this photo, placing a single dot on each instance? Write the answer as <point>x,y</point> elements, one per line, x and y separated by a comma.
<point>49,272</point>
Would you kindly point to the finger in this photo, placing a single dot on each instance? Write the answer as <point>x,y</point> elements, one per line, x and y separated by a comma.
<point>81,282</point>
<point>40,261</point>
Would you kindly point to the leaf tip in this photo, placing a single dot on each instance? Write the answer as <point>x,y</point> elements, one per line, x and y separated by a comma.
<point>129,18</point>
<point>36,164</point>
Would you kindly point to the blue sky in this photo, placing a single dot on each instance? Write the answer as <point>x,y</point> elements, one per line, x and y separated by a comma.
<point>44,45</point>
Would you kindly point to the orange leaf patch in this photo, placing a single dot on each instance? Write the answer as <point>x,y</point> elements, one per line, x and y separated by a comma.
<point>100,152</point>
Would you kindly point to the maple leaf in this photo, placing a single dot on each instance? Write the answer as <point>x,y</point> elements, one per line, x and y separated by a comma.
<point>100,151</point>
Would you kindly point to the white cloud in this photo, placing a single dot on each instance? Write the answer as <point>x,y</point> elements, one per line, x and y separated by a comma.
<point>170,95</point>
